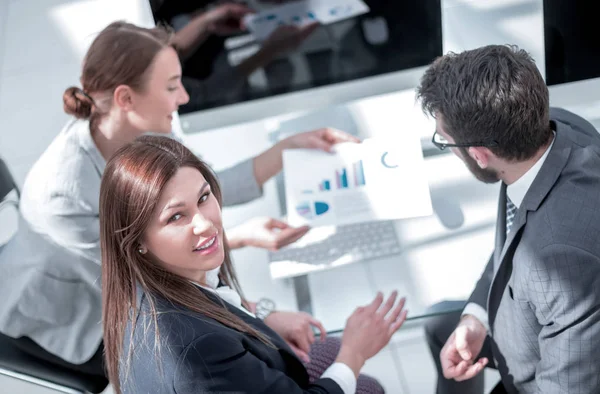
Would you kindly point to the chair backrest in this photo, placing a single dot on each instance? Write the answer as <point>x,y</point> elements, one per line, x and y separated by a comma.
<point>7,183</point>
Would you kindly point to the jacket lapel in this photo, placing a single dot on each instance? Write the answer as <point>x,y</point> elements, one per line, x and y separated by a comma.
<point>540,188</point>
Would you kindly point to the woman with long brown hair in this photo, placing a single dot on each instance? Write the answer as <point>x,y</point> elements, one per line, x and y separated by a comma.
<point>50,271</point>
<point>170,327</point>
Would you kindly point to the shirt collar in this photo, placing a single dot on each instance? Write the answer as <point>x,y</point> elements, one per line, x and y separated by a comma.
<point>518,189</point>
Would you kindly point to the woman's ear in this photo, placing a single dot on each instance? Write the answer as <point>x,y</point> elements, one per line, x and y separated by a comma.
<point>123,97</point>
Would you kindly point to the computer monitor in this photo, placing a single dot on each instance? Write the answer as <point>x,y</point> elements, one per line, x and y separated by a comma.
<point>572,56</point>
<point>382,51</point>
<point>571,41</point>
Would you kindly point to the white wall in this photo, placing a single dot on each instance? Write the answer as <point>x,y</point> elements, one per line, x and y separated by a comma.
<point>42,43</point>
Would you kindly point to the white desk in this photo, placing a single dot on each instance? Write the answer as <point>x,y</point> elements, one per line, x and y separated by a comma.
<point>436,263</point>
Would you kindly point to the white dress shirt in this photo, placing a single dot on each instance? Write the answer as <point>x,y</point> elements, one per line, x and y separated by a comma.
<point>338,372</point>
<point>516,191</point>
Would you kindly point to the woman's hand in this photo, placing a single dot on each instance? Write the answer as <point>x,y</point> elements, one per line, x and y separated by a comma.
<point>266,233</point>
<point>369,329</point>
<point>323,139</point>
<point>225,19</point>
<point>296,329</point>
<point>270,162</point>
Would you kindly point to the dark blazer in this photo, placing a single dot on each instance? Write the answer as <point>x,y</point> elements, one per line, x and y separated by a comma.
<point>200,355</point>
<point>541,288</point>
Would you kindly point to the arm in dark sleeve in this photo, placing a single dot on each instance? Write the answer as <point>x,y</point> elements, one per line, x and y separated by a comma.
<point>482,288</point>
<point>216,363</point>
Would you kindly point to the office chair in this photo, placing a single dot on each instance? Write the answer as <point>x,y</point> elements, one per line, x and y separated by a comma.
<point>17,364</point>
<point>7,184</point>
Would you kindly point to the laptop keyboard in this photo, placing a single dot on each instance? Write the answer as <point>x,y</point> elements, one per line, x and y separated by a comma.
<point>350,243</point>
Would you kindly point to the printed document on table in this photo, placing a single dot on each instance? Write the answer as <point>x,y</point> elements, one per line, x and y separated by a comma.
<point>378,179</point>
<point>300,13</point>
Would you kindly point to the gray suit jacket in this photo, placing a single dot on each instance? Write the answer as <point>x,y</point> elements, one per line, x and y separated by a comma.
<point>50,270</point>
<point>541,288</point>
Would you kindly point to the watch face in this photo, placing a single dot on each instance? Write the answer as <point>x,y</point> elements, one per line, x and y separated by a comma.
<point>264,307</point>
<point>266,303</point>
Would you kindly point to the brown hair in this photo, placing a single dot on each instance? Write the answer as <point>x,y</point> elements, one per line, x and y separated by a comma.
<point>133,181</point>
<point>120,55</point>
<point>490,93</point>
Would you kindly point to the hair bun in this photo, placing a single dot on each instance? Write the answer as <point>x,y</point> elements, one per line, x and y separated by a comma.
<point>77,103</point>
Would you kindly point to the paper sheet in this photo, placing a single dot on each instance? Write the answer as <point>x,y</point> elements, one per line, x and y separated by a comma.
<point>300,13</point>
<point>375,180</point>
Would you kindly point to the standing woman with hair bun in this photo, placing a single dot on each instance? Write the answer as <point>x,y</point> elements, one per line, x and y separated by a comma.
<point>50,282</point>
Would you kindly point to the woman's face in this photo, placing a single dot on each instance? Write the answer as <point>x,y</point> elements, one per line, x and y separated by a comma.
<point>152,109</point>
<point>185,234</point>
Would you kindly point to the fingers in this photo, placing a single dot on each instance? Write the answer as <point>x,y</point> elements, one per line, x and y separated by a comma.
<point>335,136</point>
<point>383,311</point>
<point>397,310</point>
<point>472,371</point>
<point>462,344</point>
<point>274,223</point>
<point>234,10</point>
<point>302,340</point>
<point>289,236</point>
<point>373,306</point>
<point>451,370</point>
<point>398,316</point>
<point>318,142</point>
<point>395,326</point>
<point>301,354</point>
<point>314,322</point>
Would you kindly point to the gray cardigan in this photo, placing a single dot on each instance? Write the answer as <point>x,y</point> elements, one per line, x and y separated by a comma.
<point>50,270</point>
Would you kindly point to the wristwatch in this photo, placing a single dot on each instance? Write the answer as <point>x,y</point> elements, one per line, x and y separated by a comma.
<point>264,307</point>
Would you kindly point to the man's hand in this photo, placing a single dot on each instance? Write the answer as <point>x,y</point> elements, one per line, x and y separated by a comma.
<point>296,329</point>
<point>459,352</point>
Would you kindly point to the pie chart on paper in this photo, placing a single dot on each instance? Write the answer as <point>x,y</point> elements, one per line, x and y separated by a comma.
<point>309,210</point>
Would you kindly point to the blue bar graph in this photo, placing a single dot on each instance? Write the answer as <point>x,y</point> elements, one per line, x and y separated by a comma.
<point>359,173</point>
<point>325,185</point>
<point>344,179</point>
<point>341,178</point>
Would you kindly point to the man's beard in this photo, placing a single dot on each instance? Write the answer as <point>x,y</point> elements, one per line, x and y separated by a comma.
<point>485,175</point>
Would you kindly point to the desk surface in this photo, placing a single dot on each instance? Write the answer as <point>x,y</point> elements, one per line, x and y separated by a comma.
<point>436,263</point>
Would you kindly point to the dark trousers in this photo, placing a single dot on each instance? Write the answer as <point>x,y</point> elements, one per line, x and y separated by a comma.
<point>95,366</point>
<point>437,330</point>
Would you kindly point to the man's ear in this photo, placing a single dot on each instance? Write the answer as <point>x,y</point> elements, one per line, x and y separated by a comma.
<point>481,156</point>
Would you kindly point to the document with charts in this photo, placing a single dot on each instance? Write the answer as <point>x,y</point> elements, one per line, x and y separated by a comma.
<point>379,179</point>
<point>302,12</point>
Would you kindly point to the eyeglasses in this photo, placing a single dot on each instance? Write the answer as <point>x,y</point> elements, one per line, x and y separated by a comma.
<point>441,143</point>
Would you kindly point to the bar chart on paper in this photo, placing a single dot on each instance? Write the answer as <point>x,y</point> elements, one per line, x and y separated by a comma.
<point>341,178</point>
<point>360,182</point>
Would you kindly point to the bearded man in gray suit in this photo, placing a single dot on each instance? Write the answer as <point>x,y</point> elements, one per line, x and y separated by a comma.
<point>535,313</point>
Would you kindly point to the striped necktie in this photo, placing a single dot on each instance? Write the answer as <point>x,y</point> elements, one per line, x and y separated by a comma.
<point>511,211</point>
